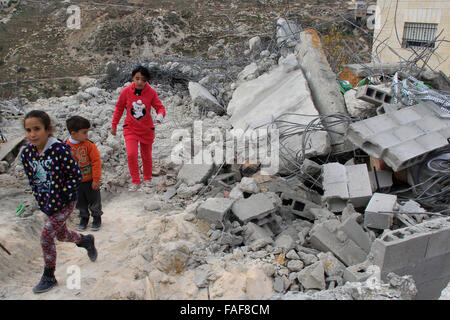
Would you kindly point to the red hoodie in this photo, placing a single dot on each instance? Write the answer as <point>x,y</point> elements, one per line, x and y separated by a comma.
<point>138,121</point>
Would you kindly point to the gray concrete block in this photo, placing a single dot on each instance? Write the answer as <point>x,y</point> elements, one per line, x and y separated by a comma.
<point>326,237</point>
<point>345,183</point>
<point>298,205</point>
<point>213,210</point>
<point>381,180</point>
<point>192,174</point>
<point>374,216</point>
<point>356,233</point>
<point>374,95</point>
<point>412,245</point>
<point>256,206</point>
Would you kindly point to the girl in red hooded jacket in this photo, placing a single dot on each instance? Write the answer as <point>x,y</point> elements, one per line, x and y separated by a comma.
<point>138,129</point>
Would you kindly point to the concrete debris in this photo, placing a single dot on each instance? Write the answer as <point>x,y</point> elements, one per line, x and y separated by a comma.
<point>322,81</point>
<point>213,210</point>
<point>445,294</point>
<point>373,95</point>
<point>203,99</point>
<point>315,224</point>
<point>422,251</point>
<point>402,138</point>
<point>326,236</point>
<point>312,277</point>
<point>192,174</point>
<point>255,207</point>
<point>345,183</point>
<point>378,213</point>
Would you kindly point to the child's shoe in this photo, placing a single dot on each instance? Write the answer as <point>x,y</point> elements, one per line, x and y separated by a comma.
<point>87,242</point>
<point>83,224</point>
<point>133,187</point>
<point>47,281</point>
<point>148,184</point>
<point>96,224</point>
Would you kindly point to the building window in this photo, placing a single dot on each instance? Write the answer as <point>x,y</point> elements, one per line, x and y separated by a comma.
<point>419,35</point>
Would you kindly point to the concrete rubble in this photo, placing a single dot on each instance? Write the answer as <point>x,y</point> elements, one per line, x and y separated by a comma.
<point>331,226</point>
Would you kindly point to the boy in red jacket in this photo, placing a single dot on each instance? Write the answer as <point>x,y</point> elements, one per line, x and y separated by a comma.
<point>138,99</point>
<point>88,157</point>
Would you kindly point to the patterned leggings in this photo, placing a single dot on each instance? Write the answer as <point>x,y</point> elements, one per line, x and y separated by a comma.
<point>55,226</point>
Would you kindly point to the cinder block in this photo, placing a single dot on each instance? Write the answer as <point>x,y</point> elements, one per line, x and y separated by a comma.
<point>374,216</point>
<point>256,206</point>
<point>411,246</point>
<point>213,210</point>
<point>374,95</point>
<point>356,233</point>
<point>297,204</point>
<point>342,183</point>
<point>381,180</point>
<point>326,237</point>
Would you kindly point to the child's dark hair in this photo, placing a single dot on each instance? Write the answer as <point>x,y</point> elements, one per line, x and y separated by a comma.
<point>143,70</point>
<point>43,117</point>
<point>77,123</point>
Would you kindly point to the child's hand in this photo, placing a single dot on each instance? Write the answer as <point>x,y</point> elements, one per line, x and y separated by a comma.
<point>113,131</point>
<point>95,185</point>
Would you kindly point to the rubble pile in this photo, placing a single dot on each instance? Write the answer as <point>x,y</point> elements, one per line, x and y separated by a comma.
<point>357,208</point>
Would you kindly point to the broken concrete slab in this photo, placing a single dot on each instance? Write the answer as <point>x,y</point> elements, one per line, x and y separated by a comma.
<point>377,214</point>
<point>422,251</point>
<point>10,146</point>
<point>345,183</point>
<point>256,237</point>
<point>402,138</point>
<point>204,99</point>
<point>256,206</point>
<point>325,237</point>
<point>295,265</point>
<point>213,210</point>
<point>285,86</point>
<point>192,174</point>
<point>313,276</point>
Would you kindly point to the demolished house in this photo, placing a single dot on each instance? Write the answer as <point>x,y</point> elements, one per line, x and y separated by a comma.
<point>351,203</point>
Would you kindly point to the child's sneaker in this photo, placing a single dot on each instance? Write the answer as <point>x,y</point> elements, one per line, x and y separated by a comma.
<point>133,187</point>
<point>96,224</point>
<point>83,224</point>
<point>148,184</point>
